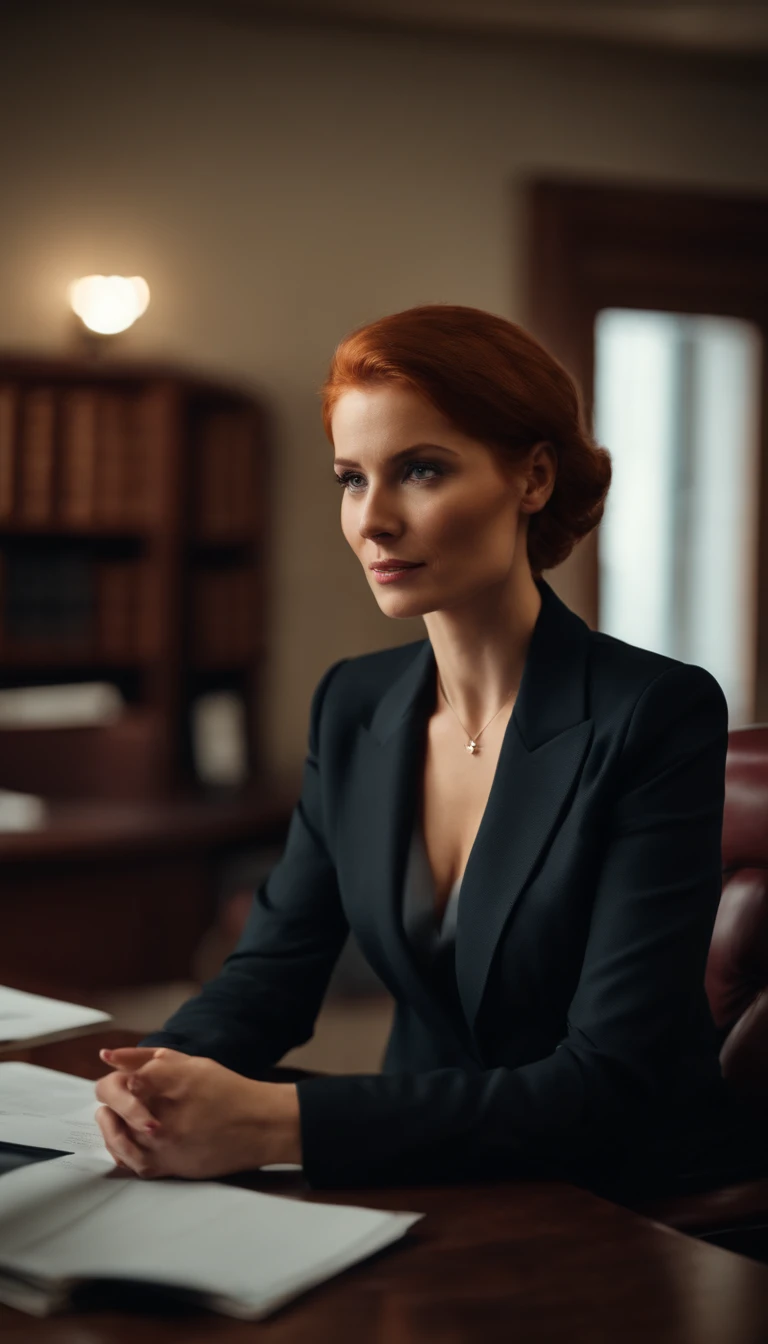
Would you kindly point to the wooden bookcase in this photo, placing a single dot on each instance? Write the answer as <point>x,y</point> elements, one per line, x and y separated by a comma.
<point>132,541</point>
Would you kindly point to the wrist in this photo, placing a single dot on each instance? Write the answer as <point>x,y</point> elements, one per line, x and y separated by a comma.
<point>282,1125</point>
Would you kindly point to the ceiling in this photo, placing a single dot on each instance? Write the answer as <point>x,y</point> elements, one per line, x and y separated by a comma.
<point>716,27</point>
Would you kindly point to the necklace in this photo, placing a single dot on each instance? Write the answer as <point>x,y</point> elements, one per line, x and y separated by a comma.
<point>471,746</point>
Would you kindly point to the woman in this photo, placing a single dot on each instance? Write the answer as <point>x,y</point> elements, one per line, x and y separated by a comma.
<point>519,818</point>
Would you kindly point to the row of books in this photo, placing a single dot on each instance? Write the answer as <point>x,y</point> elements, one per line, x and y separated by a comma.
<point>228,494</point>
<point>61,601</point>
<point>79,457</point>
<point>226,616</point>
<point>82,457</point>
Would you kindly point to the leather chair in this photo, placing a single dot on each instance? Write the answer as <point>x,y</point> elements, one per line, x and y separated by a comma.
<point>736,981</point>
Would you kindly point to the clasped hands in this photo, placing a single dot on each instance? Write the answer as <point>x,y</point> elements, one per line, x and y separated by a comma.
<point>170,1114</point>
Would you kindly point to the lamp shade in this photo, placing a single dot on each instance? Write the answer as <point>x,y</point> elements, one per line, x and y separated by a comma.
<point>109,303</point>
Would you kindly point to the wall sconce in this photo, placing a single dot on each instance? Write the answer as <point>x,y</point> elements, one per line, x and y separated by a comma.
<point>107,304</point>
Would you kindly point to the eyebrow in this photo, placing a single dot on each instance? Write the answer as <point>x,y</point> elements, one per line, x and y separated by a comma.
<point>404,452</point>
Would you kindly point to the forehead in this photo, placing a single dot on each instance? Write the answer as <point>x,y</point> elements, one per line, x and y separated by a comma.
<point>389,416</point>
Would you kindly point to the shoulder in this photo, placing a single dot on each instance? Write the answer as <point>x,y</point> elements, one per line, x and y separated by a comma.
<point>649,690</point>
<point>353,687</point>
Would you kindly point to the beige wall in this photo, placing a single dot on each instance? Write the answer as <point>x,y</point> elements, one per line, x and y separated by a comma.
<point>277,186</point>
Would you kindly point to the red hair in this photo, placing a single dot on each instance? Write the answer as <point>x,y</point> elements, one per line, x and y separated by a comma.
<point>496,384</point>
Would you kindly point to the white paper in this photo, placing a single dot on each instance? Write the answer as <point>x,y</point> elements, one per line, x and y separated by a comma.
<point>68,1220</point>
<point>43,1108</point>
<point>21,811</point>
<point>31,1019</point>
<point>88,702</point>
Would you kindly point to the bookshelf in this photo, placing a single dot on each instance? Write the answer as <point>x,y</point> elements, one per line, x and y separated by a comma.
<point>133,540</point>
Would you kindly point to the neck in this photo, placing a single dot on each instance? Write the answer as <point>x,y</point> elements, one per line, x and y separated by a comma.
<point>480,648</point>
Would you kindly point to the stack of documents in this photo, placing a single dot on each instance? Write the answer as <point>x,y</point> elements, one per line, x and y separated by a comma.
<point>76,1224</point>
<point>42,1108</point>
<point>31,1019</point>
<point>69,1224</point>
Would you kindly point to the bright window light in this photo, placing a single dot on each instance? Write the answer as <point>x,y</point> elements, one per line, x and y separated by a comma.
<point>677,404</point>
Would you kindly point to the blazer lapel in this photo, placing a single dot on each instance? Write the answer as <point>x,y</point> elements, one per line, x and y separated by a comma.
<point>541,755</point>
<point>543,747</point>
<point>376,826</point>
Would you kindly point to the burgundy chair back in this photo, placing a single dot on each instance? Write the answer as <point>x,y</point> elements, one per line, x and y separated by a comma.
<point>737,967</point>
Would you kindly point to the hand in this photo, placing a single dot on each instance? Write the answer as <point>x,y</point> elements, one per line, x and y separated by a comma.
<point>171,1114</point>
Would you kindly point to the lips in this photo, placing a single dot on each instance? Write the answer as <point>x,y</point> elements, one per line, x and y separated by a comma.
<point>385,566</point>
<point>394,571</point>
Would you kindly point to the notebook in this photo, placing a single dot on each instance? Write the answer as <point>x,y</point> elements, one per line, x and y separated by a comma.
<point>32,1019</point>
<point>70,1227</point>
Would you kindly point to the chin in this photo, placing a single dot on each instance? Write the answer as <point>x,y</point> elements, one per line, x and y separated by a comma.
<point>402,607</point>
<point>402,611</point>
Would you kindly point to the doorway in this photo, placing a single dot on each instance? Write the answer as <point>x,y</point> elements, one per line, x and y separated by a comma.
<point>657,302</point>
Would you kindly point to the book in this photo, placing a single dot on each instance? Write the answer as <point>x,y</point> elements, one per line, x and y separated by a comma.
<point>149,431</point>
<point>36,460</point>
<point>111,460</point>
<point>77,464</point>
<point>223,616</point>
<point>116,613</point>
<point>71,1230</point>
<point>48,594</point>
<point>225,477</point>
<point>8,400</point>
<point>148,613</point>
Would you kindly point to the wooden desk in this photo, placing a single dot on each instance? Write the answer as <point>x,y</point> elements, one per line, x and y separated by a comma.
<point>117,893</point>
<point>529,1263</point>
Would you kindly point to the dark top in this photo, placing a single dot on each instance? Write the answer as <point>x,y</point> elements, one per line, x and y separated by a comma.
<point>433,944</point>
<point>583,1045</point>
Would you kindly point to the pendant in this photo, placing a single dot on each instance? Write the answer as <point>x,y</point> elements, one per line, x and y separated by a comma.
<point>471,747</point>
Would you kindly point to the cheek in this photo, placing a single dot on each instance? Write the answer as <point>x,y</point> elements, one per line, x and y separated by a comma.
<point>350,531</point>
<point>481,526</point>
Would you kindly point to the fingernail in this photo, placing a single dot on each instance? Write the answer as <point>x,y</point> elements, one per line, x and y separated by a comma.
<point>151,1129</point>
<point>133,1085</point>
<point>105,1054</point>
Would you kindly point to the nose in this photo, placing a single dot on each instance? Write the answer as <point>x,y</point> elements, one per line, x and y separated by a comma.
<point>378,516</point>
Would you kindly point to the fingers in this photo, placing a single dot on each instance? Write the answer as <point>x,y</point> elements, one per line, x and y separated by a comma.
<point>118,1091</point>
<point>151,1073</point>
<point>131,1056</point>
<point>164,1077</point>
<point>120,1145</point>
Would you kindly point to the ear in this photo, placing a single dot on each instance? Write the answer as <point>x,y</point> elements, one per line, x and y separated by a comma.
<point>539,478</point>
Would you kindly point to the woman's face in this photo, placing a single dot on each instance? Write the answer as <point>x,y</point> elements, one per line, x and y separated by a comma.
<point>418,490</point>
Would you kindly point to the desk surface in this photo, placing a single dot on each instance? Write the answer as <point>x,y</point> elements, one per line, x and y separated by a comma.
<point>529,1263</point>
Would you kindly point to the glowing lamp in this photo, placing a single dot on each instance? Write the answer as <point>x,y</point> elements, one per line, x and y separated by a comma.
<point>109,303</point>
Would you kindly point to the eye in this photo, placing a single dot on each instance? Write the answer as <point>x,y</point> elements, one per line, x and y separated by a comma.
<point>347,477</point>
<point>424,466</point>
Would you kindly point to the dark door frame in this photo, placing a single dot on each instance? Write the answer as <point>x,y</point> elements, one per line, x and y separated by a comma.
<point>594,245</point>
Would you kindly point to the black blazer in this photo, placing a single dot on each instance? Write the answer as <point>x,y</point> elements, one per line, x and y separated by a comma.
<point>585,1042</point>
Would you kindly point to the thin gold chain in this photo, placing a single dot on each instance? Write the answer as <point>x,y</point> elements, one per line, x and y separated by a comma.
<point>471,746</point>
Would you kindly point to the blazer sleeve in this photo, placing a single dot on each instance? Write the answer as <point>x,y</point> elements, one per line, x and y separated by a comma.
<point>266,997</point>
<point>610,1080</point>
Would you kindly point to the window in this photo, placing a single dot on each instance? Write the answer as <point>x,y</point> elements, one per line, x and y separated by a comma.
<point>677,402</point>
